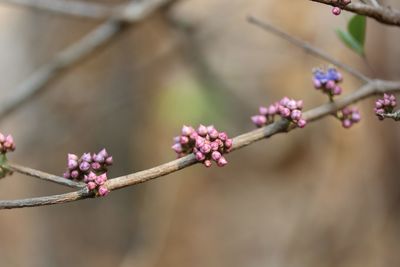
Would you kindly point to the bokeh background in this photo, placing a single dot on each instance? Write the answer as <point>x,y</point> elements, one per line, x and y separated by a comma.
<point>323,196</point>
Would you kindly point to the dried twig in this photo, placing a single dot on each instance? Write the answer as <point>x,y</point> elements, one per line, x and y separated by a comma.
<point>386,15</point>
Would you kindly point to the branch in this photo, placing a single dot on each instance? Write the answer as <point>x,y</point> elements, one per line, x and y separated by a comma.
<point>134,12</point>
<point>43,176</point>
<point>385,15</point>
<point>75,8</point>
<point>308,48</point>
<point>369,89</point>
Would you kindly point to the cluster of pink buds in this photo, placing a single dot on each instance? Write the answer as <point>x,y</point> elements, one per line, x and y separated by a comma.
<point>339,5</point>
<point>385,106</point>
<point>287,108</point>
<point>349,116</point>
<point>328,81</point>
<point>96,183</point>
<point>6,143</point>
<point>206,143</point>
<point>91,168</point>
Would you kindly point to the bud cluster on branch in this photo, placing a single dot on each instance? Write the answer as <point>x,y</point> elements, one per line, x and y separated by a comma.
<point>286,108</point>
<point>339,5</point>
<point>91,169</point>
<point>206,143</point>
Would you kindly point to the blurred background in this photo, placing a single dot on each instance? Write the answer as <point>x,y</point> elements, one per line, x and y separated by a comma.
<point>323,196</point>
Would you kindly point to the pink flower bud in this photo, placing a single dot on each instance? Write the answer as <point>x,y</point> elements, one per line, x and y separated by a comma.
<point>259,120</point>
<point>84,166</point>
<point>302,123</point>
<point>222,162</point>
<point>317,84</point>
<point>103,191</point>
<point>86,157</point>
<point>202,130</point>
<point>72,164</point>
<point>336,11</point>
<point>263,110</point>
<point>194,135</point>
<point>300,104</point>
<point>109,160</point>
<point>228,143</point>
<point>91,176</point>
<point>101,179</point>
<point>292,104</point>
<point>200,156</point>
<point>91,186</point>
<point>199,141</point>
<point>216,155</point>
<point>67,175</point>
<point>187,131</point>
<point>346,123</point>
<point>184,140</point>
<point>177,148</point>
<point>356,117</point>
<point>74,174</point>
<point>284,101</point>
<point>295,115</point>
<point>213,133</point>
<point>378,104</point>
<point>98,158</point>
<point>73,157</point>
<point>103,153</point>
<point>207,163</point>
<point>9,139</point>
<point>206,148</point>
<point>330,85</point>
<point>337,90</point>
<point>2,138</point>
<point>214,146</point>
<point>285,112</point>
<point>272,110</point>
<point>223,136</point>
<point>96,166</point>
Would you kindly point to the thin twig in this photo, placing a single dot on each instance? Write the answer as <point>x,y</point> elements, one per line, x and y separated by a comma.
<point>43,176</point>
<point>133,12</point>
<point>385,15</point>
<point>307,47</point>
<point>75,8</point>
<point>369,89</point>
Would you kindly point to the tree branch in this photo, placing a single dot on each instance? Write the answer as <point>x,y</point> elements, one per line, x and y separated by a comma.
<point>133,12</point>
<point>75,8</point>
<point>385,15</point>
<point>307,47</point>
<point>43,176</point>
<point>369,89</point>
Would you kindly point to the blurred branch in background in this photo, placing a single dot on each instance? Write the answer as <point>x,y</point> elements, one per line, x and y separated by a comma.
<point>386,15</point>
<point>75,8</point>
<point>132,12</point>
<point>306,47</point>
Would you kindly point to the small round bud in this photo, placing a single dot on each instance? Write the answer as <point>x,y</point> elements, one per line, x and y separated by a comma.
<point>91,186</point>
<point>207,163</point>
<point>302,123</point>
<point>222,162</point>
<point>103,191</point>
<point>336,11</point>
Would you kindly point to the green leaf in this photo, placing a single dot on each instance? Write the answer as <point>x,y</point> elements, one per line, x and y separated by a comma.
<point>350,42</point>
<point>354,38</point>
<point>357,28</point>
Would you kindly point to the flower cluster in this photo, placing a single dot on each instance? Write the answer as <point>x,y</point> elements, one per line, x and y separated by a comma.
<point>385,105</point>
<point>287,108</point>
<point>91,168</point>
<point>6,143</point>
<point>339,5</point>
<point>206,143</point>
<point>328,81</point>
<point>349,116</point>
